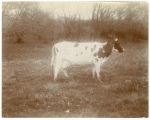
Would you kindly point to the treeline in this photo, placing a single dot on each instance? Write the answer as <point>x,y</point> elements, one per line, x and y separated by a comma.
<point>22,19</point>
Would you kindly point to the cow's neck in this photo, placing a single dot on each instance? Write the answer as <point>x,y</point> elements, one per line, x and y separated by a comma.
<point>108,48</point>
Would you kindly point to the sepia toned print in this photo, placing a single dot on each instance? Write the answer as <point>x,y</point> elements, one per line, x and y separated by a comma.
<point>74,59</point>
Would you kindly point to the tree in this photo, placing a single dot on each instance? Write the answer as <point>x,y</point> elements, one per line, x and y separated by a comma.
<point>19,15</point>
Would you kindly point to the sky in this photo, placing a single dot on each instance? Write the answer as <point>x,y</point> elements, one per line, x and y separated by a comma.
<point>68,8</point>
<point>71,8</point>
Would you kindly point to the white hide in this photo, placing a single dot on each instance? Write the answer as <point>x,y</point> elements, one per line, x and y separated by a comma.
<point>67,54</point>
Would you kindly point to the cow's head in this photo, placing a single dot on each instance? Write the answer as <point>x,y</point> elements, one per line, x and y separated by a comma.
<point>114,40</point>
<point>117,45</point>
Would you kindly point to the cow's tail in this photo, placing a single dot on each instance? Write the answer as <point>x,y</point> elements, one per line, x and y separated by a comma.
<point>53,56</point>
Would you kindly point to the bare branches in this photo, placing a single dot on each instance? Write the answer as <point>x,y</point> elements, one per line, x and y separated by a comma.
<point>27,17</point>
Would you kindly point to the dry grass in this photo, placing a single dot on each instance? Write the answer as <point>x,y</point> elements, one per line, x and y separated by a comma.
<point>28,88</point>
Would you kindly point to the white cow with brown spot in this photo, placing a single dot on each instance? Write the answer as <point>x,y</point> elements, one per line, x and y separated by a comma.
<point>66,53</point>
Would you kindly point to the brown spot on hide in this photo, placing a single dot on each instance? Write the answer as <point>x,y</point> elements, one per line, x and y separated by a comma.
<point>86,47</point>
<point>81,53</point>
<point>95,54</point>
<point>76,44</point>
<point>96,59</point>
<point>76,54</point>
<point>105,51</point>
<point>92,49</point>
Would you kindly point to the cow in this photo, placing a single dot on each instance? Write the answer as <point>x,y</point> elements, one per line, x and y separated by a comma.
<point>66,53</point>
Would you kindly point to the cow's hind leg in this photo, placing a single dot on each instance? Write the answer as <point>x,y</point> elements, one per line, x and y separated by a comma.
<point>65,64</point>
<point>56,69</point>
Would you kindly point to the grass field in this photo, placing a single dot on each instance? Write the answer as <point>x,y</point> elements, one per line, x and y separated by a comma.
<point>28,88</point>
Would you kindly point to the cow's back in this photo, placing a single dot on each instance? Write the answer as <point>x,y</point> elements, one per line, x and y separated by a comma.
<point>77,53</point>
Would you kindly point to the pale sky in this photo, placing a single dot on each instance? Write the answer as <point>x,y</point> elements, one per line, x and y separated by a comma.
<point>72,8</point>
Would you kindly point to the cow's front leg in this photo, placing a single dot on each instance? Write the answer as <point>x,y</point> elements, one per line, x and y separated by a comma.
<point>98,75</point>
<point>65,64</point>
<point>98,72</point>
